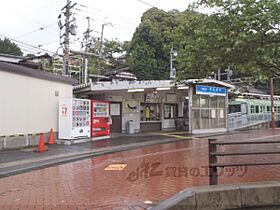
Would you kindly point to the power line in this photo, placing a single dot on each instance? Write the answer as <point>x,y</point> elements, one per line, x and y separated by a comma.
<point>22,8</point>
<point>30,51</point>
<point>103,11</point>
<point>48,43</point>
<point>25,44</point>
<point>120,17</point>
<point>146,3</point>
<point>84,16</point>
<point>30,20</point>
<point>31,32</point>
<point>125,25</point>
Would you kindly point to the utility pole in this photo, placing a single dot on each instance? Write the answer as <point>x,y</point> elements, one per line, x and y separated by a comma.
<point>219,74</point>
<point>87,47</point>
<point>101,47</point>
<point>172,73</point>
<point>66,35</point>
<point>272,103</point>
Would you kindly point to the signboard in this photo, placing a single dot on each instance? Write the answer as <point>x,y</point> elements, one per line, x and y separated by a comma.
<point>64,109</point>
<point>210,90</point>
<point>115,167</point>
<point>152,97</point>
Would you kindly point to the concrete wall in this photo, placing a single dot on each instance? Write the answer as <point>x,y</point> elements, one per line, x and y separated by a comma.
<point>262,195</point>
<point>29,105</point>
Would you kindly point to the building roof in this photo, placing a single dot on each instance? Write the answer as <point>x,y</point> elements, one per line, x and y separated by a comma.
<point>109,86</point>
<point>121,74</point>
<point>17,69</point>
<point>208,81</point>
<point>10,58</point>
<point>123,85</point>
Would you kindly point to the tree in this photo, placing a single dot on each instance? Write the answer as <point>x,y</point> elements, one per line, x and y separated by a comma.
<point>241,34</point>
<point>109,49</point>
<point>148,53</point>
<point>196,45</point>
<point>8,47</point>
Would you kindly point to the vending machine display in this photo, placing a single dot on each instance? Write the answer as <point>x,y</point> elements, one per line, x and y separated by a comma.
<point>100,119</point>
<point>74,118</point>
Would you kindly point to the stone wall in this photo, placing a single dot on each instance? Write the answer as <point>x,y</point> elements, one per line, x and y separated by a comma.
<point>261,195</point>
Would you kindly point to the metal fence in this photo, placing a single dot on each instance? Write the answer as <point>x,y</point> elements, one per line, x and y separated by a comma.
<point>214,153</point>
<point>238,120</point>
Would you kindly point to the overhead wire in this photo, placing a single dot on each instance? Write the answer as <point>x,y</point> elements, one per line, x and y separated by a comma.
<point>34,22</point>
<point>124,20</point>
<point>30,51</point>
<point>125,25</point>
<point>102,11</point>
<point>48,43</point>
<point>146,3</point>
<point>39,29</point>
<point>25,44</point>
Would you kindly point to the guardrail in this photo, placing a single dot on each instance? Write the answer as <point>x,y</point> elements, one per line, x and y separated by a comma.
<point>214,153</point>
<point>238,120</point>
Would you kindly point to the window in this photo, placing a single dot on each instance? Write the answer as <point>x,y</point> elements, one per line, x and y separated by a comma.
<point>268,108</point>
<point>169,111</point>
<point>262,109</point>
<point>252,109</point>
<point>257,109</point>
<point>234,108</point>
<point>213,102</point>
<point>221,102</point>
<point>150,112</point>
<point>204,101</point>
<point>196,103</point>
<point>115,109</point>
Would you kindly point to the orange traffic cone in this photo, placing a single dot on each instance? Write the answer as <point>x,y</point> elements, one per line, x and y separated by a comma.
<point>51,138</point>
<point>41,146</point>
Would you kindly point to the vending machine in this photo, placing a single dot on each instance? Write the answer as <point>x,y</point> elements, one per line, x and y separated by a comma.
<point>100,119</point>
<point>74,118</point>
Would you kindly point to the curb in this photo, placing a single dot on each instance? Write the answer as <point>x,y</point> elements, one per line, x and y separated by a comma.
<point>34,164</point>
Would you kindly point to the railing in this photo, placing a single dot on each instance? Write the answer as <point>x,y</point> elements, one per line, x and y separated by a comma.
<point>214,153</point>
<point>238,120</point>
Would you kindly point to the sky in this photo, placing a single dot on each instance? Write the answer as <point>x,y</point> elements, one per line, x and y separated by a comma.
<point>32,24</point>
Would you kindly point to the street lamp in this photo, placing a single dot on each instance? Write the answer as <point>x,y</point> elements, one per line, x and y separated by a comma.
<point>101,46</point>
<point>272,104</point>
<point>173,55</point>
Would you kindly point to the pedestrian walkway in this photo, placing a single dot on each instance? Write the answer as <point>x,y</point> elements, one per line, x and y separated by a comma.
<point>22,160</point>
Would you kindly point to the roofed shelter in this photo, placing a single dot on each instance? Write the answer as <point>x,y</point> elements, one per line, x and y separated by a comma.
<point>208,105</point>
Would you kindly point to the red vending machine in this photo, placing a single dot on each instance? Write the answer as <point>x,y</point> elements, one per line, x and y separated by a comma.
<point>100,119</point>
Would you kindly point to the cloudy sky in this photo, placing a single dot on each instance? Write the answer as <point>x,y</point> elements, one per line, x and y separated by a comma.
<point>33,23</point>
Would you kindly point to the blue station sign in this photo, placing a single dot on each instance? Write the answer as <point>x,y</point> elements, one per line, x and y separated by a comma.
<point>210,90</point>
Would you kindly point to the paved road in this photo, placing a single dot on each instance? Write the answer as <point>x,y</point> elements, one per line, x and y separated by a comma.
<point>144,177</point>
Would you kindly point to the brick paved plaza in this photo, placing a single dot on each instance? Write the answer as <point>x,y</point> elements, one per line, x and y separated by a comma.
<point>148,176</point>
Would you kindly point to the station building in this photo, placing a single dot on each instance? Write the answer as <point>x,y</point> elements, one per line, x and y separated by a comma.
<point>29,103</point>
<point>196,106</point>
